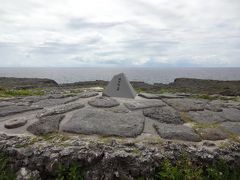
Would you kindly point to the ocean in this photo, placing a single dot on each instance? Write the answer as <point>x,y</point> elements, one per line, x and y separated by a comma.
<point>149,75</point>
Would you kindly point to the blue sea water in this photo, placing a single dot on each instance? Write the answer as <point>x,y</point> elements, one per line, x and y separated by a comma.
<point>149,75</point>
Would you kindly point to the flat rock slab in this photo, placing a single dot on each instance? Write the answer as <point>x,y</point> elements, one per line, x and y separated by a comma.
<point>88,94</point>
<point>179,132</point>
<point>231,114</point>
<point>105,122</point>
<point>160,96</point>
<point>187,104</point>
<point>60,109</point>
<point>13,109</point>
<point>163,114</point>
<point>232,127</point>
<point>45,125</point>
<point>103,102</point>
<point>5,103</point>
<point>212,134</point>
<point>15,123</point>
<point>206,116</point>
<point>142,104</point>
<point>54,102</point>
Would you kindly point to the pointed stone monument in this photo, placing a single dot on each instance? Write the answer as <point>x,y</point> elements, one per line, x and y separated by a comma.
<point>119,86</point>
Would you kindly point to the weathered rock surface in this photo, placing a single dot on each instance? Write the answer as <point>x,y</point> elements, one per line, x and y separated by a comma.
<point>103,102</point>
<point>5,103</point>
<point>60,109</point>
<point>207,116</point>
<point>13,109</point>
<point>213,134</point>
<point>163,114</point>
<point>187,104</point>
<point>26,174</point>
<point>88,94</point>
<point>45,125</point>
<point>231,114</point>
<point>160,96</point>
<point>54,102</point>
<point>15,123</point>
<point>141,104</point>
<point>232,127</point>
<point>104,122</point>
<point>179,132</point>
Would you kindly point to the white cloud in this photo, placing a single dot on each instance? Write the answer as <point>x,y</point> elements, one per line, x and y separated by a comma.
<point>120,33</point>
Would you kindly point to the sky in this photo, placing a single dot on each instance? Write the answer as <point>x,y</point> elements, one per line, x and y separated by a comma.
<point>102,33</point>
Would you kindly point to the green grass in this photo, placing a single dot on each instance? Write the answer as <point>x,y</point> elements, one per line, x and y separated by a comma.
<point>73,172</point>
<point>5,172</point>
<point>21,92</point>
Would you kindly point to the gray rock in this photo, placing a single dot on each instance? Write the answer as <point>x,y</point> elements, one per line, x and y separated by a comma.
<point>206,116</point>
<point>26,174</point>
<point>103,102</point>
<point>60,109</point>
<point>15,123</point>
<point>88,94</point>
<point>187,104</point>
<point>54,102</point>
<point>45,125</point>
<point>13,109</point>
<point>142,104</point>
<point>160,96</point>
<point>232,114</point>
<point>5,103</point>
<point>164,114</point>
<point>105,122</point>
<point>212,134</point>
<point>179,132</point>
<point>232,127</point>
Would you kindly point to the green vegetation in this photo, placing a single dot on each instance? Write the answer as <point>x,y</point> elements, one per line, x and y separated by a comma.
<point>21,92</point>
<point>185,117</point>
<point>73,172</point>
<point>186,170</point>
<point>5,172</point>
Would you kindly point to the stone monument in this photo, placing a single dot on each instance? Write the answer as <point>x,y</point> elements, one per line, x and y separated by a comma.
<point>119,86</point>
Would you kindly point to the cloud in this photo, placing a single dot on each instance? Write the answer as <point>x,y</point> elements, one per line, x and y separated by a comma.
<point>120,33</point>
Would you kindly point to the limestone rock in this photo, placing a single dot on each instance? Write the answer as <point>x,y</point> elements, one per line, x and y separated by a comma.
<point>232,127</point>
<point>141,104</point>
<point>45,125</point>
<point>104,122</point>
<point>212,134</point>
<point>26,174</point>
<point>5,103</point>
<point>187,104</point>
<point>232,114</point>
<point>164,114</point>
<point>160,96</point>
<point>207,116</point>
<point>179,132</point>
<point>61,109</point>
<point>15,123</point>
<point>13,109</point>
<point>104,102</point>
<point>88,94</point>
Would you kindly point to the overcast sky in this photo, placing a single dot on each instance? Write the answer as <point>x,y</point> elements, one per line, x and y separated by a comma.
<point>71,33</point>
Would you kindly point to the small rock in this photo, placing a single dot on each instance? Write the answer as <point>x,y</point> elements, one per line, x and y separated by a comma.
<point>15,123</point>
<point>104,102</point>
<point>212,134</point>
<point>26,174</point>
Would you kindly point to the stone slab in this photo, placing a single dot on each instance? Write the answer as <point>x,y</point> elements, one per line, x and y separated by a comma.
<point>88,94</point>
<point>104,122</point>
<point>160,96</point>
<point>15,123</point>
<point>212,134</point>
<point>178,132</point>
<point>103,102</point>
<point>45,125</point>
<point>163,114</point>
<point>13,109</point>
<point>142,104</point>
<point>232,127</point>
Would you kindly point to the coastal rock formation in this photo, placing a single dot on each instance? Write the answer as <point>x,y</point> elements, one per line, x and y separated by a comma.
<point>164,114</point>
<point>104,122</point>
<point>179,132</point>
<point>45,125</point>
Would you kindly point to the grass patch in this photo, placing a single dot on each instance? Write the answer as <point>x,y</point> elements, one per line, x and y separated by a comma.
<point>21,92</point>
<point>73,172</point>
<point>204,126</point>
<point>5,172</point>
<point>185,117</point>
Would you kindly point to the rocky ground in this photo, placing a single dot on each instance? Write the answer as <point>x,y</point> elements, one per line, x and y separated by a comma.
<point>116,137</point>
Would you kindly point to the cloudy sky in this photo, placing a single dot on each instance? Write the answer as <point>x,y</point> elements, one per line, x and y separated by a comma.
<point>71,33</point>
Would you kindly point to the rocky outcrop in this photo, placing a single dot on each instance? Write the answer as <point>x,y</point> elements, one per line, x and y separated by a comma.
<point>26,83</point>
<point>109,160</point>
